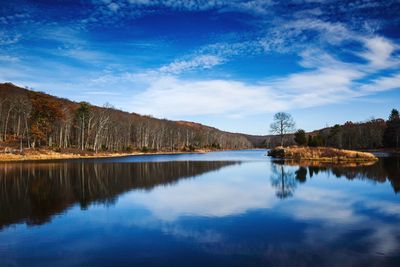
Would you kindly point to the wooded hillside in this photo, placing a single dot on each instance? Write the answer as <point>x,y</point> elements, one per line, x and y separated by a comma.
<point>30,119</point>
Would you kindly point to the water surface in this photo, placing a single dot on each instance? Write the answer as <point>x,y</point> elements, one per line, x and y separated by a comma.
<point>235,208</point>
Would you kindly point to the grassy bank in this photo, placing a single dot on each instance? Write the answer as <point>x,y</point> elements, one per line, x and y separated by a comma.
<point>322,154</point>
<point>48,154</point>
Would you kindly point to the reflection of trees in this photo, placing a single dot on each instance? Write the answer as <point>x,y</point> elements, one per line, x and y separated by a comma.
<point>33,193</point>
<point>283,180</point>
<point>386,169</point>
<point>392,167</point>
<point>301,174</point>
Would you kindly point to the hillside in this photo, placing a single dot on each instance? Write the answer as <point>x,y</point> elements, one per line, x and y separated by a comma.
<point>30,119</point>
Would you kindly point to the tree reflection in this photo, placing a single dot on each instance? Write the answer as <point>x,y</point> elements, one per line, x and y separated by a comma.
<point>301,174</point>
<point>283,180</point>
<point>386,169</point>
<point>34,192</point>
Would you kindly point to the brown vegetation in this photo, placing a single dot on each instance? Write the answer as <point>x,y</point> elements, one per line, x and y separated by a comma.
<point>326,164</point>
<point>46,154</point>
<point>33,120</point>
<point>326,154</point>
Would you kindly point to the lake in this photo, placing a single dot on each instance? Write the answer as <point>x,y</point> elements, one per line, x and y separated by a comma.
<point>237,208</point>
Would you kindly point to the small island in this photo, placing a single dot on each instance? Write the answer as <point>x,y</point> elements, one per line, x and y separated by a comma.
<point>320,146</point>
<point>322,154</point>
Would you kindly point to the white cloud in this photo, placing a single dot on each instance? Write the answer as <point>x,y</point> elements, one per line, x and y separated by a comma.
<point>174,97</point>
<point>329,80</point>
<point>202,62</point>
<point>330,32</point>
<point>163,91</point>
<point>253,6</point>
<point>382,84</point>
<point>378,53</point>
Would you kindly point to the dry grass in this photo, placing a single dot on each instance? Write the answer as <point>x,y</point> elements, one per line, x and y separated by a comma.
<point>327,154</point>
<point>43,154</point>
<point>324,164</point>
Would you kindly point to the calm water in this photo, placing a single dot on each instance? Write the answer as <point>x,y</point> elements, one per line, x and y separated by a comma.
<point>217,209</point>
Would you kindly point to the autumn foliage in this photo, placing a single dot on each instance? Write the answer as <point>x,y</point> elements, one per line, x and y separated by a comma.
<point>30,119</point>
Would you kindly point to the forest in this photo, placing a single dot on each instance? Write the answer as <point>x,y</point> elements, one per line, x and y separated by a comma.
<point>30,119</point>
<point>370,134</point>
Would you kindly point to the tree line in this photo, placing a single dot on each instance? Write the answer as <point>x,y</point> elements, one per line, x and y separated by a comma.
<point>30,119</point>
<point>372,134</point>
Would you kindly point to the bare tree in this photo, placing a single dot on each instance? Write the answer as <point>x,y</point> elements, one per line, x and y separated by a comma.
<point>282,125</point>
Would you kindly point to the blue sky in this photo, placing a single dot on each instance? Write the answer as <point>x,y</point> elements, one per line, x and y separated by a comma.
<point>229,64</point>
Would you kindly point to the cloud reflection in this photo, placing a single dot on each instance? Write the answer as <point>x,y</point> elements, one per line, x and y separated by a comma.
<point>329,211</point>
<point>230,192</point>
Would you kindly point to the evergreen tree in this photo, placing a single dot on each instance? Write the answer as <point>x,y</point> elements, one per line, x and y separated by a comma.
<point>318,140</point>
<point>315,141</point>
<point>310,141</point>
<point>335,136</point>
<point>300,137</point>
<point>394,115</point>
<point>391,136</point>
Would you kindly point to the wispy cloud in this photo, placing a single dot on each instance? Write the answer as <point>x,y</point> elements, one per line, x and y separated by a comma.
<point>199,62</point>
<point>379,53</point>
<point>8,38</point>
<point>382,84</point>
<point>328,80</point>
<point>175,73</point>
<point>8,58</point>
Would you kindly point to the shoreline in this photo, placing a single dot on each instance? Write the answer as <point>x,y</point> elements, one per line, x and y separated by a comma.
<point>51,155</point>
<point>321,154</point>
<point>381,150</point>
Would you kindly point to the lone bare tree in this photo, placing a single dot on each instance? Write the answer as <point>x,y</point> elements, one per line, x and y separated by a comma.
<point>282,125</point>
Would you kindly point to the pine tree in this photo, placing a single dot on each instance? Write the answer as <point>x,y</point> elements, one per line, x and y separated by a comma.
<point>310,141</point>
<point>300,137</point>
<point>391,136</point>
